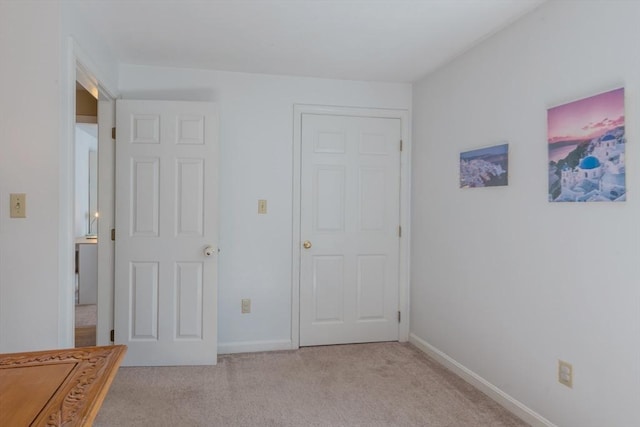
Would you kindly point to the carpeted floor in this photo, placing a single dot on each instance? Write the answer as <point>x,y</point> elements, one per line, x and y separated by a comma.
<point>383,384</point>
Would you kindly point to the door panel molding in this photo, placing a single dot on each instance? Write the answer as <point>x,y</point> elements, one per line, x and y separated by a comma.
<point>405,197</point>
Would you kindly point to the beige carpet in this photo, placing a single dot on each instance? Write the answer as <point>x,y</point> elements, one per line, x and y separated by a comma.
<point>384,384</point>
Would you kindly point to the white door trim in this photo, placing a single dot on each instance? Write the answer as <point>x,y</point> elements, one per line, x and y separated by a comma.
<point>405,206</point>
<point>77,65</point>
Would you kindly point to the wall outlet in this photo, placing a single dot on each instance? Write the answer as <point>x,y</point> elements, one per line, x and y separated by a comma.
<point>565,373</point>
<point>246,306</point>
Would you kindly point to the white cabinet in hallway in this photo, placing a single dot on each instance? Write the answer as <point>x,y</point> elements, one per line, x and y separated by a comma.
<point>87,259</point>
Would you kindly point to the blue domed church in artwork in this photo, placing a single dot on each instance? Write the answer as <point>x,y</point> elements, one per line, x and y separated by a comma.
<point>591,167</point>
<point>600,174</point>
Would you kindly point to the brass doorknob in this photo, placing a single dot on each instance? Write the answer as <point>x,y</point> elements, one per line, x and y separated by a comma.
<point>306,244</point>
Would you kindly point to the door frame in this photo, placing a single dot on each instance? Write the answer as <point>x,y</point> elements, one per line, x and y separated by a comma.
<point>78,66</point>
<point>405,206</point>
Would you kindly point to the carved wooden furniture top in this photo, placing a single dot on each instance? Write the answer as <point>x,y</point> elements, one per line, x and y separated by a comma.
<point>56,387</point>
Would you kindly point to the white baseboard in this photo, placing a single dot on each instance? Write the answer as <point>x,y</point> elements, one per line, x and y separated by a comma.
<point>253,346</point>
<point>512,405</point>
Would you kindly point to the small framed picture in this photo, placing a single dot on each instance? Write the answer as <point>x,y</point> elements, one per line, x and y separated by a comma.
<point>485,167</point>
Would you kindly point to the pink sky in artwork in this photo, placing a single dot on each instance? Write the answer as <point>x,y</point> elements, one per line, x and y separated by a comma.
<point>587,118</point>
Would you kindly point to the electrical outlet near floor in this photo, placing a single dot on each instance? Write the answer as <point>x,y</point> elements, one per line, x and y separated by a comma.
<point>565,373</point>
<point>246,306</point>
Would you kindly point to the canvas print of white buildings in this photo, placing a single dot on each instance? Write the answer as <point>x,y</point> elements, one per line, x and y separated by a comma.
<point>485,167</point>
<point>587,149</point>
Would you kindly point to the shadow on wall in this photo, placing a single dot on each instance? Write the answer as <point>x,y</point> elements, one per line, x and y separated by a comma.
<point>204,94</point>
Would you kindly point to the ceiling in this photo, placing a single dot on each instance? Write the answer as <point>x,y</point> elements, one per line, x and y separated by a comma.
<point>373,40</point>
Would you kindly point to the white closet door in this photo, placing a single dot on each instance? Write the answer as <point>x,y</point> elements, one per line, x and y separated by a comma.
<point>350,206</point>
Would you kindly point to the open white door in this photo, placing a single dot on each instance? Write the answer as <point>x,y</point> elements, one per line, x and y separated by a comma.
<point>166,232</point>
<point>349,226</point>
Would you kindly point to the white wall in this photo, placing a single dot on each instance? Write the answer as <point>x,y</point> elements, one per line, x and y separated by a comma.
<point>504,282</point>
<point>256,116</point>
<point>29,127</point>
<point>99,59</point>
<point>36,305</point>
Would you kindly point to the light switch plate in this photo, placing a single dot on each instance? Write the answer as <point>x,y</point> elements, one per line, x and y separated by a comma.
<point>262,206</point>
<point>18,205</point>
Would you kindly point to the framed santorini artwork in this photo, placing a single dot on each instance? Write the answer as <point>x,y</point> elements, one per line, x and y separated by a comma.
<point>587,143</point>
<point>485,167</point>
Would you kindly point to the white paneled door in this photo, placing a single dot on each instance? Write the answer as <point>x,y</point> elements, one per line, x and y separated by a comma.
<point>349,227</point>
<point>166,232</point>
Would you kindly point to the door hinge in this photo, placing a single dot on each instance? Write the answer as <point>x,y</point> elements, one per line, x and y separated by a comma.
<point>399,231</point>
<point>112,335</point>
<point>399,317</point>
<point>400,145</point>
<point>113,234</point>
<point>113,133</point>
